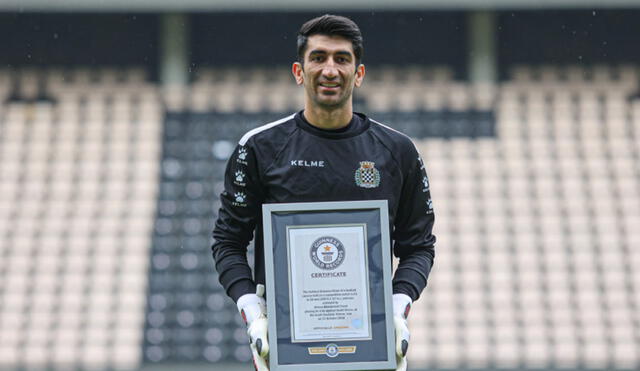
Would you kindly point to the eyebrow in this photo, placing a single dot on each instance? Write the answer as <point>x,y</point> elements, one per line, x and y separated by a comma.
<point>340,52</point>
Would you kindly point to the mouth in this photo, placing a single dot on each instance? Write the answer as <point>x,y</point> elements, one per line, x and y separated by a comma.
<point>329,86</point>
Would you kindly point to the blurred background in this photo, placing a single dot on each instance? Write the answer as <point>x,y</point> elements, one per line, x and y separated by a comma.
<point>117,118</point>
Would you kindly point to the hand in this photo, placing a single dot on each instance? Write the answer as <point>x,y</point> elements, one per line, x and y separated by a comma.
<point>253,310</point>
<point>259,343</point>
<point>401,307</point>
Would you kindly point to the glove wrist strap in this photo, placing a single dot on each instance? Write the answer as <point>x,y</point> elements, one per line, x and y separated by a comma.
<point>401,305</point>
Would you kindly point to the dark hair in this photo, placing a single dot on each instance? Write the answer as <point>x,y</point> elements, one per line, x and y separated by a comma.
<point>331,25</point>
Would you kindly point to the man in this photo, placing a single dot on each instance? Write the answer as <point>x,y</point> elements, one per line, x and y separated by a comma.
<point>316,155</point>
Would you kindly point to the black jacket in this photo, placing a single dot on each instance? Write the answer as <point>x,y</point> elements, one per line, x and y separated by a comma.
<point>290,160</point>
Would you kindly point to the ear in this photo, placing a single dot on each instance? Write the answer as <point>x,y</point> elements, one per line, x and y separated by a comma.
<point>360,72</point>
<point>296,70</point>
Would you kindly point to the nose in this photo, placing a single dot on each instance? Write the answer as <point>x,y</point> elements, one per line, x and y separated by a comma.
<point>329,71</point>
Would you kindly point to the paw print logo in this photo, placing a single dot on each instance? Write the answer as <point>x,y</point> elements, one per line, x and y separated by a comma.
<point>242,153</point>
<point>240,196</point>
<point>239,176</point>
<point>425,181</point>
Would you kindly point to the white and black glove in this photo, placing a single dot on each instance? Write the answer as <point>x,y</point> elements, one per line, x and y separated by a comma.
<point>253,310</point>
<point>401,307</point>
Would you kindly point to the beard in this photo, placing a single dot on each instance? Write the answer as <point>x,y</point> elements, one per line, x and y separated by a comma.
<point>331,101</point>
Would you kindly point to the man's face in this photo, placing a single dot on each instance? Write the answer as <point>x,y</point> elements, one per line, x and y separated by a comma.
<point>329,72</point>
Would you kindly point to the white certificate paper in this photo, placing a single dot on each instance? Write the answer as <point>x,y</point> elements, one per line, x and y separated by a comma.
<point>329,283</point>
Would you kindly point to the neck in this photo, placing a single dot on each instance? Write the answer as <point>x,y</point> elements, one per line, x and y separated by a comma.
<point>328,119</point>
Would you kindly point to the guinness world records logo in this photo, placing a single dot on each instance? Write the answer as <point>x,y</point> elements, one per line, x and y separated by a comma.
<point>327,253</point>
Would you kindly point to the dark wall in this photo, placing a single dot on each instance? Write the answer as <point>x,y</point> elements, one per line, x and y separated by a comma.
<point>389,38</point>
<point>569,37</point>
<point>78,39</point>
<point>221,39</point>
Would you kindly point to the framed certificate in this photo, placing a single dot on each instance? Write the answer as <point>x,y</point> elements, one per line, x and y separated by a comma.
<point>328,281</point>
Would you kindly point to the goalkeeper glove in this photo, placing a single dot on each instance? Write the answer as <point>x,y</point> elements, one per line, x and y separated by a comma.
<point>401,307</point>
<point>253,310</point>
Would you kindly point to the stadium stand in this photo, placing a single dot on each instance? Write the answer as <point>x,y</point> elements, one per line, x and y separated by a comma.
<point>536,229</point>
<point>109,188</point>
<point>77,201</point>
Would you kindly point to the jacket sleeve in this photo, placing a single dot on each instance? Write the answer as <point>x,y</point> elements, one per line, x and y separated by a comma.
<point>240,208</point>
<point>412,234</point>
